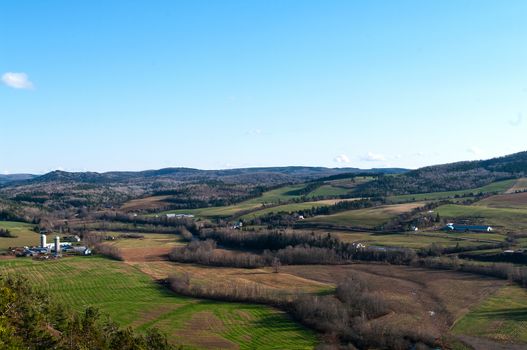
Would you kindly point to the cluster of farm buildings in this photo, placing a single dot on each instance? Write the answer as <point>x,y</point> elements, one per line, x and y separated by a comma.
<point>56,248</point>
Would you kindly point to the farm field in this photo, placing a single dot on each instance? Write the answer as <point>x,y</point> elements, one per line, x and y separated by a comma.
<point>216,276</point>
<point>520,185</point>
<point>271,197</point>
<point>367,218</point>
<point>290,208</point>
<point>502,317</point>
<point>151,247</point>
<point>406,240</point>
<point>25,233</point>
<point>413,293</point>
<point>339,187</point>
<point>152,202</point>
<point>498,187</point>
<point>512,219</point>
<point>131,298</point>
<point>328,190</point>
<point>513,201</point>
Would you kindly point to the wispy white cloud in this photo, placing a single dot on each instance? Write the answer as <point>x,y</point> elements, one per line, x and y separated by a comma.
<point>254,132</point>
<point>17,80</point>
<point>517,121</point>
<point>342,159</point>
<point>475,150</point>
<point>373,157</point>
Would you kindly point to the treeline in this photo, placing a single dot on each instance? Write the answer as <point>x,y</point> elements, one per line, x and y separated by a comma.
<point>146,220</point>
<point>344,318</point>
<point>272,239</point>
<point>310,187</point>
<point>435,249</point>
<point>517,274</point>
<point>309,248</point>
<point>31,320</point>
<point>206,253</point>
<point>285,219</point>
<point>289,248</point>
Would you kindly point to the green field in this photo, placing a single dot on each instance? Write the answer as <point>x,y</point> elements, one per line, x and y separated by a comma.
<point>502,317</point>
<point>329,191</point>
<point>290,208</point>
<point>25,233</point>
<point>511,219</point>
<point>133,299</point>
<point>270,197</point>
<point>408,240</point>
<point>367,218</point>
<point>495,187</point>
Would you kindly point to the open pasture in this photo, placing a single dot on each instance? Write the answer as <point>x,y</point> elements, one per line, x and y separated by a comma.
<point>495,187</point>
<point>513,201</point>
<point>520,185</point>
<point>367,218</point>
<point>24,232</point>
<point>272,197</point>
<point>291,208</point>
<point>502,317</point>
<point>131,298</point>
<point>413,240</point>
<point>152,202</point>
<point>508,219</point>
<point>339,187</point>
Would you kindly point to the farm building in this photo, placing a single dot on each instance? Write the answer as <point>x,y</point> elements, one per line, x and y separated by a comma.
<point>467,228</point>
<point>179,216</point>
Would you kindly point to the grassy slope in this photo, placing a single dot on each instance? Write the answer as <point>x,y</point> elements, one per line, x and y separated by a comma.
<point>270,197</point>
<point>328,190</point>
<point>499,187</point>
<point>290,208</point>
<point>502,317</point>
<point>25,233</point>
<point>368,218</point>
<point>512,219</point>
<point>131,298</point>
<point>407,240</point>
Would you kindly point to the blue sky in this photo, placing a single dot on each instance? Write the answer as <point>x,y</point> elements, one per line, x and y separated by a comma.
<point>127,85</point>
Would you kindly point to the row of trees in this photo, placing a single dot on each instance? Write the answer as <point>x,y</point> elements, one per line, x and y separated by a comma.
<point>206,253</point>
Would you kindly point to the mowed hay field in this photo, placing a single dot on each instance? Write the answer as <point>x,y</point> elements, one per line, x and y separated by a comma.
<point>131,298</point>
<point>291,208</point>
<point>24,232</point>
<point>511,218</point>
<point>520,185</point>
<point>409,240</point>
<point>270,197</point>
<point>154,246</point>
<point>502,317</point>
<point>513,201</point>
<point>367,218</point>
<point>152,202</point>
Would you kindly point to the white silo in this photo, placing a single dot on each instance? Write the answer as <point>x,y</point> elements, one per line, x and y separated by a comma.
<point>57,245</point>
<point>43,241</point>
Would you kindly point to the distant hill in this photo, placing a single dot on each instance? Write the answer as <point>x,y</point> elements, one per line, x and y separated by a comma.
<point>450,177</point>
<point>266,176</point>
<point>15,177</point>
